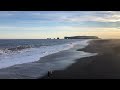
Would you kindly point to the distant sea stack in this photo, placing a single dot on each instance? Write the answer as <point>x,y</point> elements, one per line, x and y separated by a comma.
<point>58,38</point>
<point>82,37</point>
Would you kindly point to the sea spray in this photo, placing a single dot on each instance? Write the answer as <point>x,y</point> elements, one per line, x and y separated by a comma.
<point>34,54</point>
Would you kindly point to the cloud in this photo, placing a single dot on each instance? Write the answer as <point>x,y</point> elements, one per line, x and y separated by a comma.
<point>93,16</point>
<point>67,16</point>
<point>56,31</point>
<point>60,18</point>
<point>57,28</point>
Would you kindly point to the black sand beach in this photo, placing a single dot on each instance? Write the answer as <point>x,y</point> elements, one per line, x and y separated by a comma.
<point>105,65</point>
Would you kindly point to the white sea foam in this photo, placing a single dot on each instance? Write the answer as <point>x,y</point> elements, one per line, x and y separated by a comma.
<point>34,54</point>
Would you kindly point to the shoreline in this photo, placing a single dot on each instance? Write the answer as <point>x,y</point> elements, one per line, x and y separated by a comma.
<point>32,54</point>
<point>105,65</point>
<point>34,70</point>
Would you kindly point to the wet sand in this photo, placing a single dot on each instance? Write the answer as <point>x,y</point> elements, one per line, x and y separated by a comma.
<point>105,65</point>
<point>34,70</point>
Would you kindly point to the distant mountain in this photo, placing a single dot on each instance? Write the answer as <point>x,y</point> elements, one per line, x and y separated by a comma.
<point>82,37</point>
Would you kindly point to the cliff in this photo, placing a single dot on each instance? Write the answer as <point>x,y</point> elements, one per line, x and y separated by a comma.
<point>82,37</point>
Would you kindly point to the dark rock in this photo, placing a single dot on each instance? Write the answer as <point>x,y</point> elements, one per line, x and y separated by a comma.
<point>82,37</point>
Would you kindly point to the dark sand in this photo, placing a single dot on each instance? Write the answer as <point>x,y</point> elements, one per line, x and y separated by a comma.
<point>105,65</point>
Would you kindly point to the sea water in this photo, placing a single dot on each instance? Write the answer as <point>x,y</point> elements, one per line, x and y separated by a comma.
<point>20,51</point>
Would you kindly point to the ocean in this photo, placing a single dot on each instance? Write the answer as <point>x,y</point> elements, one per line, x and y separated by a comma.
<point>33,58</point>
<point>19,51</point>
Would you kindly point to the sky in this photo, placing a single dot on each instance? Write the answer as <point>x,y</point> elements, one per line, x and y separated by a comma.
<point>53,24</point>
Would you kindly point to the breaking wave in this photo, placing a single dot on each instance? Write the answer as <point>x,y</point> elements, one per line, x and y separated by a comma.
<point>26,54</point>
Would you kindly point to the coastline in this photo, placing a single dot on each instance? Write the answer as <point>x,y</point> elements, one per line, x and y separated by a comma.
<point>56,61</point>
<point>105,65</point>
